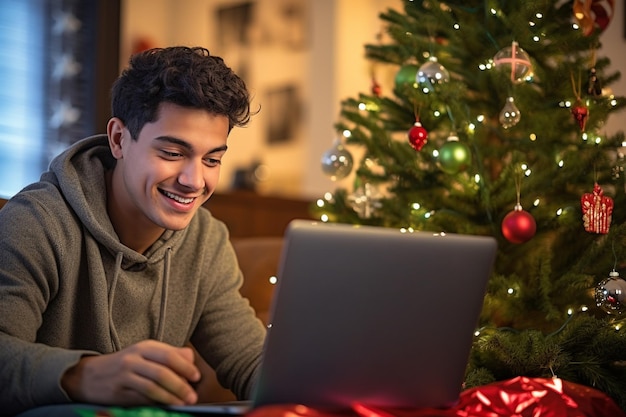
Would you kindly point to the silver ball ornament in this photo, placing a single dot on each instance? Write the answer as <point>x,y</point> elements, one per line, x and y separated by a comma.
<point>610,294</point>
<point>514,61</point>
<point>337,162</point>
<point>432,73</point>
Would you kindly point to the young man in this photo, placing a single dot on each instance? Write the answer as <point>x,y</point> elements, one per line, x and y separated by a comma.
<point>108,264</point>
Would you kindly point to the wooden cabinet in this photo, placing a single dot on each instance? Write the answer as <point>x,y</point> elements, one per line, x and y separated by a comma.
<point>249,214</point>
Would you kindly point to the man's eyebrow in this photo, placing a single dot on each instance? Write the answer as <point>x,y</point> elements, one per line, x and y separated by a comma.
<point>222,148</point>
<point>175,141</point>
<point>187,145</point>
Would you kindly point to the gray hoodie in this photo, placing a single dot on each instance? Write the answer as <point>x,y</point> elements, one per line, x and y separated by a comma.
<point>68,287</point>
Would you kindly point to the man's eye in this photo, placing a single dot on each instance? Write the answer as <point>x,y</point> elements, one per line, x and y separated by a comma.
<point>172,155</point>
<point>212,162</point>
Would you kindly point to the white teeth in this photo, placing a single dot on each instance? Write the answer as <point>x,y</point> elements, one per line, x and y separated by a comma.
<point>178,198</point>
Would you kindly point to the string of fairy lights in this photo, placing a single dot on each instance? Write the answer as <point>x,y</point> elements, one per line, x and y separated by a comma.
<point>454,156</point>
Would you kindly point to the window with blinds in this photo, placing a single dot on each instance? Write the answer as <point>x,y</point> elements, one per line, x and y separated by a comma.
<point>22,94</point>
<point>55,69</point>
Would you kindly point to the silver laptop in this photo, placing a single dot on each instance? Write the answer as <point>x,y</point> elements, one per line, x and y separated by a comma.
<point>371,315</point>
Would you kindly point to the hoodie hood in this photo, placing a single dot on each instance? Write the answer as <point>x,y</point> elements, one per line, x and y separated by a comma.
<point>79,172</point>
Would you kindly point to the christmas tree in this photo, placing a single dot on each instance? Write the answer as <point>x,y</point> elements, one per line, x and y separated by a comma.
<point>495,126</point>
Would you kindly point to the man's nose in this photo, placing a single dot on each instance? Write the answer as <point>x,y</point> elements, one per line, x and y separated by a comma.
<point>192,176</point>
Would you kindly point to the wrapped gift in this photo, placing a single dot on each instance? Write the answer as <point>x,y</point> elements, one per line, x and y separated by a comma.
<point>597,211</point>
<point>517,397</point>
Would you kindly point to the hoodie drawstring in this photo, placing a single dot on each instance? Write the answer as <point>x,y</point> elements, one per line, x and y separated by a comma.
<point>163,307</point>
<point>118,267</point>
<point>164,287</point>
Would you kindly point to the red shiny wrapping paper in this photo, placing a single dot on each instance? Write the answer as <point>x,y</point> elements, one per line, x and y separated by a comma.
<point>517,397</point>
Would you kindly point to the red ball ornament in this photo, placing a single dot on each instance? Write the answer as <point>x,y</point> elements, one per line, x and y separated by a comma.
<point>418,136</point>
<point>519,225</point>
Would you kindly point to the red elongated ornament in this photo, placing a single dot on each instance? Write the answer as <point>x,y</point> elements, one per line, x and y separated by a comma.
<point>418,136</point>
<point>581,114</point>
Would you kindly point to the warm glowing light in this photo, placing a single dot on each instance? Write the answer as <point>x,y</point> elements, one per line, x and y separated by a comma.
<point>570,311</point>
<point>416,206</point>
<point>559,212</point>
<point>320,202</point>
<point>536,202</point>
<point>561,163</point>
<point>533,137</point>
<point>324,218</point>
<point>435,153</point>
<point>477,178</point>
<point>480,118</point>
<point>346,133</point>
<point>456,26</point>
<point>510,291</point>
<point>273,280</point>
<point>328,196</point>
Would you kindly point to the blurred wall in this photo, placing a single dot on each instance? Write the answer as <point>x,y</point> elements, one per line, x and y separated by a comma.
<point>300,58</point>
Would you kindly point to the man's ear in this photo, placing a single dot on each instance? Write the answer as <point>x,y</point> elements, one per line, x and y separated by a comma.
<point>116,131</point>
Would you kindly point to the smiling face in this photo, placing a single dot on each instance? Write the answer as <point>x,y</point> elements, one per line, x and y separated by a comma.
<point>162,178</point>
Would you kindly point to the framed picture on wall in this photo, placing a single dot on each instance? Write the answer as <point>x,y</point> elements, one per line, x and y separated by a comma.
<point>234,24</point>
<point>283,108</point>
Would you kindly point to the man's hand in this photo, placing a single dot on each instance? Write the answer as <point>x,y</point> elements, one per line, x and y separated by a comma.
<point>145,373</point>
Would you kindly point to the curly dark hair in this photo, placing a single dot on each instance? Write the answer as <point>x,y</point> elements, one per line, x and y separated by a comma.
<point>188,77</point>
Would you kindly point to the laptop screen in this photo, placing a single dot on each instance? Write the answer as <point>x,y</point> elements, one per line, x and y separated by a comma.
<point>372,315</point>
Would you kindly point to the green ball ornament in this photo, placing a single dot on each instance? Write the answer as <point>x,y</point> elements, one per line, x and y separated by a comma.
<point>454,156</point>
<point>406,77</point>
